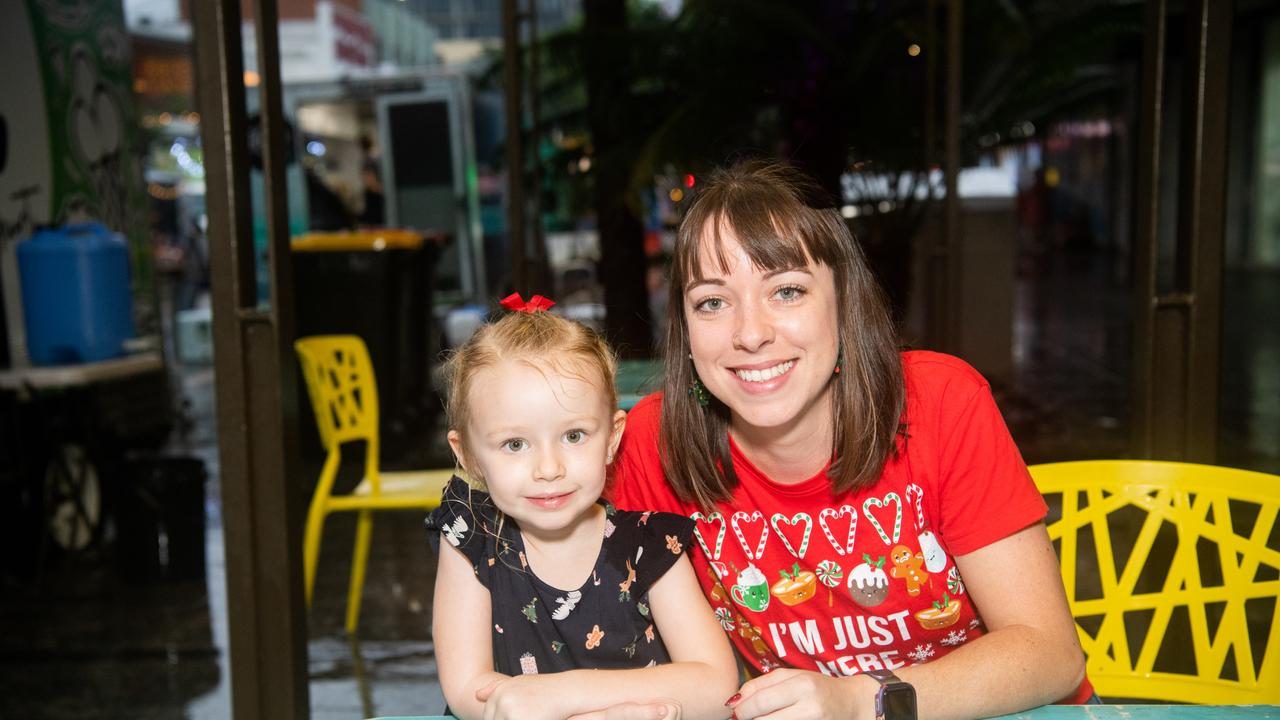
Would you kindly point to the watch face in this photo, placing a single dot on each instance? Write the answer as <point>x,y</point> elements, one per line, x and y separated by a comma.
<point>898,701</point>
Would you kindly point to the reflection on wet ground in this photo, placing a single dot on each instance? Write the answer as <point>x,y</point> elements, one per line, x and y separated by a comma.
<point>80,642</point>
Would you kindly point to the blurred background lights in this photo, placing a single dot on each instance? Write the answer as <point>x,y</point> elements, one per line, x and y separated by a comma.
<point>317,148</point>
<point>849,211</point>
<point>676,195</point>
<point>689,180</point>
<point>913,50</point>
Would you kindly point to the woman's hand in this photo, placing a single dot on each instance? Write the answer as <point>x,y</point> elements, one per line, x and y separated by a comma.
<point>804,694</point>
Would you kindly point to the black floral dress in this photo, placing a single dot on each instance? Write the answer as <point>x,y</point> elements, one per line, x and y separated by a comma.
<point>605,624</point>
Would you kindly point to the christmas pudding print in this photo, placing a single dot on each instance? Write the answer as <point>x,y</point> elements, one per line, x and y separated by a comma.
<point>944,613</point>
<point>868,583</point>
<point>796,586</point>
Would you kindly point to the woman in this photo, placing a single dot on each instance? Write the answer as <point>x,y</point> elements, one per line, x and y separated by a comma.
<point>861,513</point>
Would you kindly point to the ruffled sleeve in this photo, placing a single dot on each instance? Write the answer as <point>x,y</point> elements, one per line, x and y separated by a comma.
<point>466,519</point>
<point>654,541</point>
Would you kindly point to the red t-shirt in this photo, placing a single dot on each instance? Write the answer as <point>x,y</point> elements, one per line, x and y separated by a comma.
<point>866,580</point>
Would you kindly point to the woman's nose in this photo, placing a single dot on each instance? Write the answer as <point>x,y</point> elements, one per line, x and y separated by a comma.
<point>754,329</point>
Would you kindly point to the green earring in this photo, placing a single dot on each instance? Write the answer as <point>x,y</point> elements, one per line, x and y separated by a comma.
<point>699,392</point>
<point>839,359</point>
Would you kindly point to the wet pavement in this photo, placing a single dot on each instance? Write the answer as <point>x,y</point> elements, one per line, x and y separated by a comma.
<point>81,642</point>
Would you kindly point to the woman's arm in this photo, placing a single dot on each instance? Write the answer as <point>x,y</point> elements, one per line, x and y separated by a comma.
<point>701,676</point>
<point>1029,657</point>
<point>461,629</point>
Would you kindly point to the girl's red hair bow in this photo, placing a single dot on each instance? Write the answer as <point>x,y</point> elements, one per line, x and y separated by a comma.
<point>537,303</point>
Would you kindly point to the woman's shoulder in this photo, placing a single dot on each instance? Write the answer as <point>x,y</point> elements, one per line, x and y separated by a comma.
<point>644,419</point>
<point>647,410</point>
<point>929,371</point>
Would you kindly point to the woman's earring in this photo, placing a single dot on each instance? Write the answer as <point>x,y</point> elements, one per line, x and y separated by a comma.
<point>839,359</point>
<point>699,392</point>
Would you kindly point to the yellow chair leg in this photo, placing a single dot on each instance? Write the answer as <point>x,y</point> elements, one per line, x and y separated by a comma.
<point>311,547</point>
<point>359,563</point>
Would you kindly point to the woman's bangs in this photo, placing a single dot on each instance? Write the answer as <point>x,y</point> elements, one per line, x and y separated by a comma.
<point>772,241</point>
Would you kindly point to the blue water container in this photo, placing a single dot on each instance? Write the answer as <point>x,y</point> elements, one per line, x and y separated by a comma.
<point>75,294</point>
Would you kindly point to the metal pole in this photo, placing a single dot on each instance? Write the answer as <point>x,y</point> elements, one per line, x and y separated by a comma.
<point>265,607</point>
<point>945,278</point>
<point>512,84</point>
<point>540,271</point>
<point>1203,202</point>
<point>1178,328</point>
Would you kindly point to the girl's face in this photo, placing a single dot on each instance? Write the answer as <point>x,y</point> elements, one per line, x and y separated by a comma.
<point>541,440</point>
<point>764,342</point>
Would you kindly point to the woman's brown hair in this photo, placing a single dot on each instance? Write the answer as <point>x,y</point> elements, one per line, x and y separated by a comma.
<point>782,219</point>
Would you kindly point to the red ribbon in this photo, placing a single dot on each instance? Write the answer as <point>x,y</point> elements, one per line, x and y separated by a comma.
<point>537,303</point>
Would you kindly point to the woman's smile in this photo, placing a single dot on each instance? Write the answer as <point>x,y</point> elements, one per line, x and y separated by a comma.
<point>756,375</point>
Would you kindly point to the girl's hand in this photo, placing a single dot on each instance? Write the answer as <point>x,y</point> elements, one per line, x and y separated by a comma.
<point>527,697</point>
<point>657,709</point>
<point>653,710</point>
<point>803,694</point>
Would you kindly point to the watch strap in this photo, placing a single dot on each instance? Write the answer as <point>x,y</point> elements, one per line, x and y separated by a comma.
<point>884,677</point>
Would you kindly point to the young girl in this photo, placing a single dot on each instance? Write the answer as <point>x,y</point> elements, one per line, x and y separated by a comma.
<point>549,602</point>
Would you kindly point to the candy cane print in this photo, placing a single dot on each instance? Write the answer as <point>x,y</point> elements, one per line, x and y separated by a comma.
<point>914,493</point>
<point>897,521</point>
<point>831,538</point>
<point>808,528</point>
<point>742,539</point>
<point>698,517</point>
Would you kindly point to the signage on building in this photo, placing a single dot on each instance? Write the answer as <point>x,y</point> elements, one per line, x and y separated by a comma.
<point>353,38</point>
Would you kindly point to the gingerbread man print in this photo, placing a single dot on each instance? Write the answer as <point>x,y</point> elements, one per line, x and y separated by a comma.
<point>908,566</point>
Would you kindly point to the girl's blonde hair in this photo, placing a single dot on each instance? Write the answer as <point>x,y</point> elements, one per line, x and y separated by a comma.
<point>540,339</point>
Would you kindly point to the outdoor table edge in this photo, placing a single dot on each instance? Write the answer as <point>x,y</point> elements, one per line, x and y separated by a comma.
<point>1068,712</point>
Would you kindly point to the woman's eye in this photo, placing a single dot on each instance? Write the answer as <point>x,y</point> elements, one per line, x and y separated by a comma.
<point>574,437</point>
<point>790,293</point>
<point>514,445</point>
<point>711,304</point>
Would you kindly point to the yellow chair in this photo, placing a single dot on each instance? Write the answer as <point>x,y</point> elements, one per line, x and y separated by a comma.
<point>344,396</point>
<point>1174,588</point>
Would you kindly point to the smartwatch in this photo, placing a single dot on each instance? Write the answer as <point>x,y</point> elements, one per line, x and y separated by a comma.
<point>895,700</point>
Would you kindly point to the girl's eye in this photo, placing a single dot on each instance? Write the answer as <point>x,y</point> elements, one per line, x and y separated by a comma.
<point>790,293</point>
<point>514,445</point>
<point>709,305</point>
<point>575,437</point>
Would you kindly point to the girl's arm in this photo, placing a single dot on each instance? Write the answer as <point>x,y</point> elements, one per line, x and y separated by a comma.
<point>461,629</point>
<point>1030,656</point>
<point>701,676</point>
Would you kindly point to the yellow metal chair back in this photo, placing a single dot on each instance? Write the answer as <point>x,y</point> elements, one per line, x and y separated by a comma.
<point>1172,572</point>
<point>344,395</point>
<point>343,392</point>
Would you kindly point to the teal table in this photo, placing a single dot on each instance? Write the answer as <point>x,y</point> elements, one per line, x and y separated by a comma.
<point>1102,712</point>
<point>637,378</point>
<point>1148,712</point>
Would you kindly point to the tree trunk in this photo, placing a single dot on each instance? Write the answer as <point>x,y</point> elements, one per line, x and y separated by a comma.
<point>607,63</point>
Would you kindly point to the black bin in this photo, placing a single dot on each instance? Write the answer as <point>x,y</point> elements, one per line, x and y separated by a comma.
<point>376,284</point>
<point>160,519</point>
